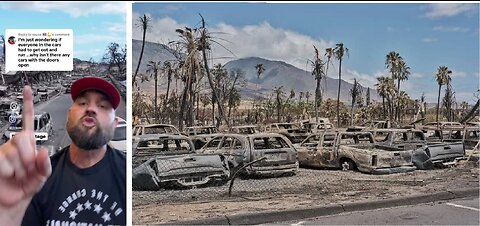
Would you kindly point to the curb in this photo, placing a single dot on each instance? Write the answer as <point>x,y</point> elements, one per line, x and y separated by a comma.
<point>298,214</point>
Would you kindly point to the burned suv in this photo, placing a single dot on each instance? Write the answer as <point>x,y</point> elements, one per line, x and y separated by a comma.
<point>279,155</point>
<point>169,162</point>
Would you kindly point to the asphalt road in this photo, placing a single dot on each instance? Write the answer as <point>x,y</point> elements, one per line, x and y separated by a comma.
<point>57,107</point>
<point>453,212</point>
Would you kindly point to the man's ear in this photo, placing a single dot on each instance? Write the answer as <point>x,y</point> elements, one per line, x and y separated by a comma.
<point>115,121</point>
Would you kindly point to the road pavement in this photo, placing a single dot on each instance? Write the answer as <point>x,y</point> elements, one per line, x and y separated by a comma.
<point>372,212</point>
<point>452,212</point>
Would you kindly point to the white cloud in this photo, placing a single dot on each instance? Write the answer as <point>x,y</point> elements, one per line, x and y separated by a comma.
<point>429,40</point>
<point>390,29</point>
<point>450,29</point>
<point>159,31</point>
<point>170,9</point>
<point>91,38</point>
<point>438,10</point>
<point>460,74</point>
<point>75,9</point>
<point>365,80</point>
<point>260,40</point>
<point>417,75</point>
<point>115,27</point>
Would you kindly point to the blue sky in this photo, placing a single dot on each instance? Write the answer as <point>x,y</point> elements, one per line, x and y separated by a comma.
<point>426,36</point>
<point>94,24</point>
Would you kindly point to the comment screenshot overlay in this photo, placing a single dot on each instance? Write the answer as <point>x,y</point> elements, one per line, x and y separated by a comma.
<point>39,50</point>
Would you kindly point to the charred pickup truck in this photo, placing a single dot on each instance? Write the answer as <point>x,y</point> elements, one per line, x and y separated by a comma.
<point>201,134</point>
<point>239,149</point>
<point>169,162</point>
<point>469,135</point>
<point>424,154</point>
<point>351,151</point>
<point>246,129</point>
<point>290,130</point>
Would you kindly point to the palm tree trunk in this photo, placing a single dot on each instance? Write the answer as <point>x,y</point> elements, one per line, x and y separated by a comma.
<point>191,103</point>
<point>317,97</point>
<point>213,111</point>
<point>397,112</point>
<point>278,111</point>
<point>438,100</point>
<point>210,81</point>
<point>338,95</point>
<point>141,55</point>
<point>168,90</point>
<point>197,109</point>
<point>155,110</point>
<point>384,108</point>
<point>351,120</point>
<point>182,108</point>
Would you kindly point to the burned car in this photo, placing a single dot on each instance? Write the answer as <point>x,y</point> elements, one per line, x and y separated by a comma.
<point>353,151</point>
<point>201,134</point>
<point>424,154</point>
<point>290,130</point>
<point>169,162</point>
<point>155,129</point>
<point>373,125</point>
<point>471,136</point>
<point>246,129</point>
<point>316,125</point>
<point>144,129</point>
<point>280,156</point>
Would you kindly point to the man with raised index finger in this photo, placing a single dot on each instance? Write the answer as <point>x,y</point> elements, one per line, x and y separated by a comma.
<point>87,182</point>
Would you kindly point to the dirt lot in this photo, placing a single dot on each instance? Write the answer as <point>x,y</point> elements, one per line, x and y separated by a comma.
<point>309,188</point>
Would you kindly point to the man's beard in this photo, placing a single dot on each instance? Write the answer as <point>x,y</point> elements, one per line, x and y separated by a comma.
<point>83,140</point>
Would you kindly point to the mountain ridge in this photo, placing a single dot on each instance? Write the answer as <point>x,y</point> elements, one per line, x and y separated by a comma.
<point>277,73</point>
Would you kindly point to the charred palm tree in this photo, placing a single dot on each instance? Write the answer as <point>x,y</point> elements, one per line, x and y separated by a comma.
<point>204,46</point>
<point>442,77</point>
<point>169,72</point>
<point>144,24</point>
<point>382,90</point>
<point>318,72</point>
<point>355,92</point>
<point>190,69</point>
<point>392,63</point>
<point>153,68</point>
<point>339,53</point>
<point>278,97</point>
<point>402,75</point>
<point>260,69</point>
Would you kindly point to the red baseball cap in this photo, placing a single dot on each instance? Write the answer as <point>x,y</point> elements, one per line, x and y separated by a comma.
<point>99,84</point>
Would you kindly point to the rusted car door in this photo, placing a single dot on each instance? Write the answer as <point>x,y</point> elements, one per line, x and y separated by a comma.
<point>327,156</point>
<point>233,149</point>
<point>307,150</point>
<point>408,140</point>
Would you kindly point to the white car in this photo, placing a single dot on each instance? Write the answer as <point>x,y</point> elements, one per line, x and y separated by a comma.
<point>119,140</point>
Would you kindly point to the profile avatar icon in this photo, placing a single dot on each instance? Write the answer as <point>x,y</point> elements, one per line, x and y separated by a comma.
<point>11,40</point>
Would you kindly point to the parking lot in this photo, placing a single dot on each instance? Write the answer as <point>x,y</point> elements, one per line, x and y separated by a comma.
<point>308,188</point>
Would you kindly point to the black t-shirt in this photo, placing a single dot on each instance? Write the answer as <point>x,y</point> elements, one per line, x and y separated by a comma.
<point>74,196</point>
